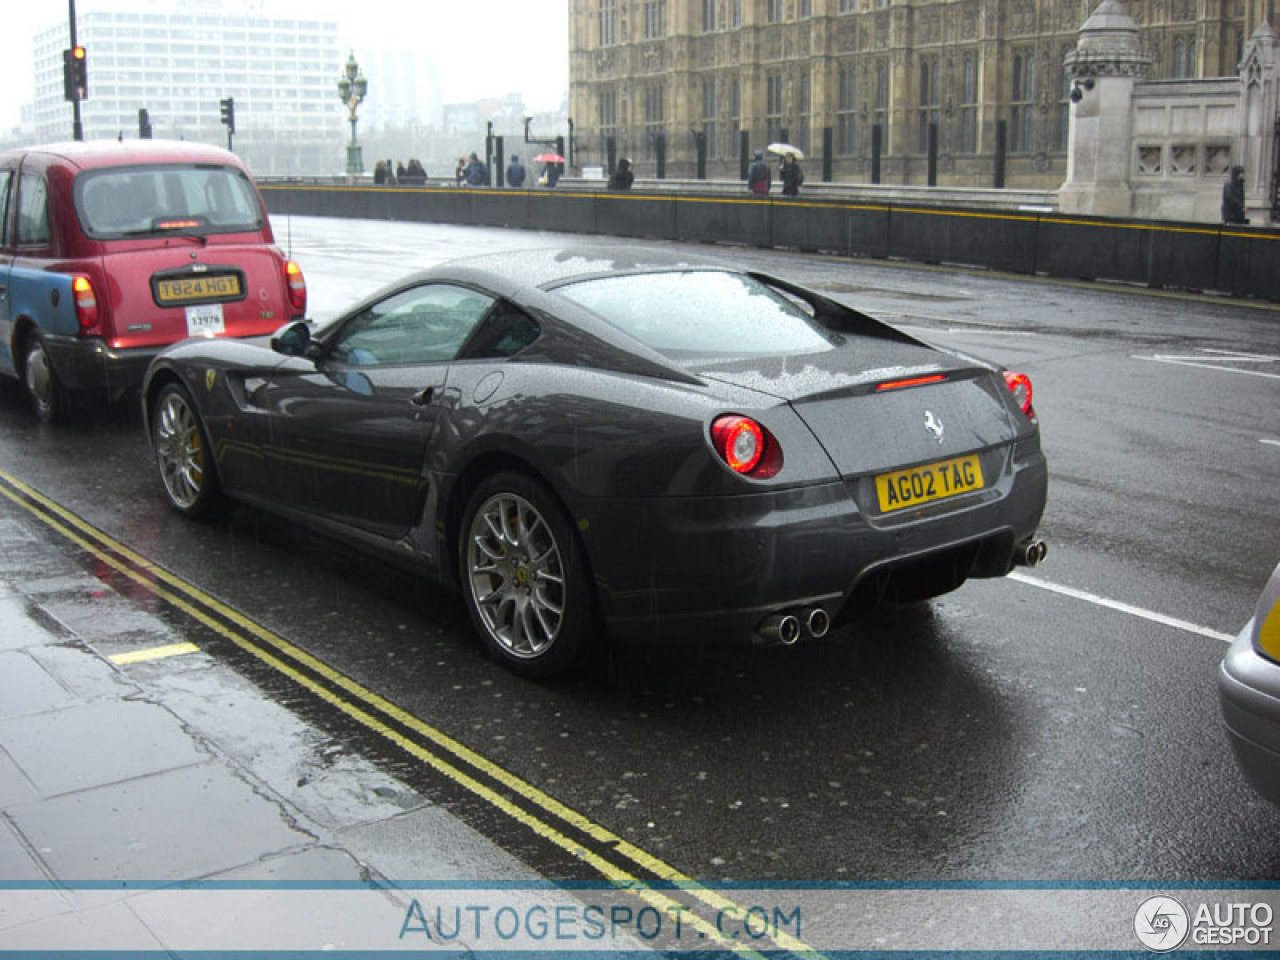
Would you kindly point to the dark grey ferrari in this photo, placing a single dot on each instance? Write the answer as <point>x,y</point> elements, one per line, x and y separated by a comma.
<point>671,448</point>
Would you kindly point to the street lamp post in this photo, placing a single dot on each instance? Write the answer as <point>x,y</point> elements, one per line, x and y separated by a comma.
<point>550,142</point>
<point>351,90</point>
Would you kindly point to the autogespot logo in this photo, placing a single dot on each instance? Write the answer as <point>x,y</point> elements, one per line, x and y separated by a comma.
<point>1161,924</point>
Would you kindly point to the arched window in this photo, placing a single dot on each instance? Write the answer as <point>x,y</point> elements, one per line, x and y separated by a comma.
<point>969,104</point>
<point>1022,103</point>
<point>846,104</point>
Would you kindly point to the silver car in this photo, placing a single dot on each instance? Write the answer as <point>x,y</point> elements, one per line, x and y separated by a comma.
<point>1249,686</point>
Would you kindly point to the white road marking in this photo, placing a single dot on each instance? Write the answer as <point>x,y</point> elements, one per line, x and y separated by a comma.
<point>1121,607</point>
<point>1204,362</point>
<point>1268,440</point>
<point>965,331</point>
<point>1238,355</point>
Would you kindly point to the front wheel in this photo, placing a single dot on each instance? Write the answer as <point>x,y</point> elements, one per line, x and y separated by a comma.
<point>524,577</point>
<point>183,457</point>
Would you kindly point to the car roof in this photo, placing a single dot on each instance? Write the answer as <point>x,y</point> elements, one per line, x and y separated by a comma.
<point>91,154</point>
<point>542,268</point>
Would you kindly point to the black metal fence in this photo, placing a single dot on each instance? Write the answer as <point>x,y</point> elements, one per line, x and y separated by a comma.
<point>1242,261</point>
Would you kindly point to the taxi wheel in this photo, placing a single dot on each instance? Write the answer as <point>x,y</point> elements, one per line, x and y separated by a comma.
<point>48,399</point>
<point>524,576</point>
<point>183,456</point>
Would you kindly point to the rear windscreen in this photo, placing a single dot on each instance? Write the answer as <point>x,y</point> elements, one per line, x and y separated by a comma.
<point>166,198</point>
<point>701,313</point>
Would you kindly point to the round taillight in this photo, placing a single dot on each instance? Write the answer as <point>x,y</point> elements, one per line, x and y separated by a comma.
<point>1020,385</point>
<point>746,446</point>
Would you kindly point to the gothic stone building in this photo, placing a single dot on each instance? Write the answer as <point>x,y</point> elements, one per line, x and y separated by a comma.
<point>860,85</point>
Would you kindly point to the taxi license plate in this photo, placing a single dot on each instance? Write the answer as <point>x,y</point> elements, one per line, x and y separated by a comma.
<point>205,320</point>
<point>933,481</point>
<point>191,289</point>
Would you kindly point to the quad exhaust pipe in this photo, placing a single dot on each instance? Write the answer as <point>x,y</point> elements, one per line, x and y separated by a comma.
<point>1031,553</point>
<point>786,627</point>
<point>817,623</point>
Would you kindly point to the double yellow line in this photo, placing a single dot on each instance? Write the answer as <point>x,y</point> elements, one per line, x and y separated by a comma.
<point>624,865</point>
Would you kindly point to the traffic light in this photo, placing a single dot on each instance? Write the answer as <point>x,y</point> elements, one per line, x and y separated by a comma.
<point>75,73</point>
<point>229,113</point>
<point>144,124</point>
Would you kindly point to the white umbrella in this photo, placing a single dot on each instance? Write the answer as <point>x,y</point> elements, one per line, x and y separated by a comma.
<point>782,149</point>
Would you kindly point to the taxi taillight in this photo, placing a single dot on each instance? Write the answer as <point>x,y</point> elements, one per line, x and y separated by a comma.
<point>86,302</point>
<point>296,285</point>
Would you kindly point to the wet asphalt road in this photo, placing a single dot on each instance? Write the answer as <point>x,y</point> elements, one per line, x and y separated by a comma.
<point>1004,732</point>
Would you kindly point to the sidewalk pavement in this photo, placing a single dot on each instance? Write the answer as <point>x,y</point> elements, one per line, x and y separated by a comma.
<point>121,780</point>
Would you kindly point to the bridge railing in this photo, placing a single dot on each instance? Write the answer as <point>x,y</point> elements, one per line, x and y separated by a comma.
<point>1024,234</point>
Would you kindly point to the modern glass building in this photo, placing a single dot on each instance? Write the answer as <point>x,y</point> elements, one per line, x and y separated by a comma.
<point>179,65</point>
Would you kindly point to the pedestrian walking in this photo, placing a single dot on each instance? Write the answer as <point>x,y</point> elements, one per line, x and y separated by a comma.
<point>622,177</point>
<point>759,178</point>
<point>791,175</point>
<point>515,172</point>
<point>550,175</point>
<point>380,172</point>
<point>1233,210</point>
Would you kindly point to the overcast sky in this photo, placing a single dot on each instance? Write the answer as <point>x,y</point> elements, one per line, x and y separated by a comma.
<point>482,47</point>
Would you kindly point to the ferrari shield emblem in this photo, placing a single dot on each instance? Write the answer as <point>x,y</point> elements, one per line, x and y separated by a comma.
<point>210,377</point>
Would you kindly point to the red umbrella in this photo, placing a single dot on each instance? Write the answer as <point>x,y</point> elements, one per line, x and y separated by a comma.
<point>548,158</point>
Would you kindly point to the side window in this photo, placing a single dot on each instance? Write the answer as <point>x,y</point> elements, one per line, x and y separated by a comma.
<point>6,178</point>
<point>33,211</point>
<point>427,324</point>
<point>505,332</point>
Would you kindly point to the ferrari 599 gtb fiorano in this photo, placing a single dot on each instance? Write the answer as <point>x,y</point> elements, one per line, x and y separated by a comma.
<point>671,449</point>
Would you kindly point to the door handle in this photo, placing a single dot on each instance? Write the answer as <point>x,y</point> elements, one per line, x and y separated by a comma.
<point>423,397</point>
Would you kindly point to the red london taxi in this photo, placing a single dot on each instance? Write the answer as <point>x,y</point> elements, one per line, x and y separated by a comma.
<point>110,251</point>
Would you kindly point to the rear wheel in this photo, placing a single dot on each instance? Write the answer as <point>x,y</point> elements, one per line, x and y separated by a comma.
<point>524,577</point>
<point>183,457</point>
<point>48,399</point>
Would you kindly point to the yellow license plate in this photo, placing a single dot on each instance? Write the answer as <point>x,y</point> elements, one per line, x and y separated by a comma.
<point>193,289</point>
<point>933,481</point>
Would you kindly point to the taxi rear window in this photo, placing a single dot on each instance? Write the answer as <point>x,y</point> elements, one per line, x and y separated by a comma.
<point>153,200</point>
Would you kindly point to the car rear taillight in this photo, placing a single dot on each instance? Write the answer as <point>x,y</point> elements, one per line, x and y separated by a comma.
<point>746,446</point>
<point>296,285</point>
<point>86,302</point>
<point>1267,638</point>
<point>1020,385</point>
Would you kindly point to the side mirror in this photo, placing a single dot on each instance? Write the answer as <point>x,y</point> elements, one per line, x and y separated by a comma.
<point>293,339</point>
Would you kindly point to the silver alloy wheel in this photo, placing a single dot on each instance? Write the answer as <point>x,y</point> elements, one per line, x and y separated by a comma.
<point>179,451</point>
<point>516,575</point>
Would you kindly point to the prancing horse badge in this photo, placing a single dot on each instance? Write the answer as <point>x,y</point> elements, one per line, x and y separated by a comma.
<point>933,425</point>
